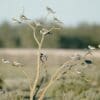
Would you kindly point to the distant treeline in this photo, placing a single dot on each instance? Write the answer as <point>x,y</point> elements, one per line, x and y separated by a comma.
<point>20,36</point>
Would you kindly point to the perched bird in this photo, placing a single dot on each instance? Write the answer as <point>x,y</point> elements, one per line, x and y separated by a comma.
<point>43,58</point>
<point>2,91</point>
<point>76,57</point>
<point>57,20</point>
<point>88,61</point>
<point>23,17</point>
<point>50,10</point>
<point>17,64</point>
<point>37,23</point>
<point>16,20</point>
<point>78,72</point>
<point>45,31</point>
<point>99,46</point>
<point>91,47</point>
<point>5,61</point>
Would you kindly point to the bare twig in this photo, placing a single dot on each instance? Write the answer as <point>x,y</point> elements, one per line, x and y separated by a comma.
<point>34,32</point>
<point>27,76</point>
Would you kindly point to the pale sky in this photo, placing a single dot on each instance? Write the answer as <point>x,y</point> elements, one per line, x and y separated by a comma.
<point>71,12</point>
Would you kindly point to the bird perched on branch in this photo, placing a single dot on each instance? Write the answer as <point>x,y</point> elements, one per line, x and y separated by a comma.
<point>88,61</point>
<point>50,10</point>
<point>43,58</point>
<point>57,20</point>
<point>16,20</point>
<point>23,17</point>
<point>76,57</point>
<point>91,47</point>
<point>45,31</point>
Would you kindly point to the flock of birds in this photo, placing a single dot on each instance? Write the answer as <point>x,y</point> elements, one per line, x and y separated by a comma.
<point>43,59</point>
<point>89,52</point>
<point>14,63</point>
<point>44,31</point>
<point>50,12</point>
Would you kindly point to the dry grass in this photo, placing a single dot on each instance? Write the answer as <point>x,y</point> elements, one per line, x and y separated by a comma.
<point>14,78</point>
<point>28,58</point>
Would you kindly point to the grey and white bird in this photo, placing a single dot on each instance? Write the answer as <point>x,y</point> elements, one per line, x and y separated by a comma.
<point>99,46</point>
<point>76,57</point>
<point>43,58</point>
<point>45,31</point>
<point>2,91</point>
<point>91,47</point>
<point>78,72</point>
<point>5,61</point>
<point>17,64</point>
<point>37,23</point>
<point>23,17</point>
<point>50,10</point>
<point>57,20</point>
<point>16,20</point>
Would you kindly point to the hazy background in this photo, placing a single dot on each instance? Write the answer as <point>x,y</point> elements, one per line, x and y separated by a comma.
<point>71,12</point>
<point>81,27</point>
<point>81,20</point>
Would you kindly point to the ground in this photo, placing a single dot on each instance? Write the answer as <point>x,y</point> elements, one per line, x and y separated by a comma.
<point>14,79</point>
